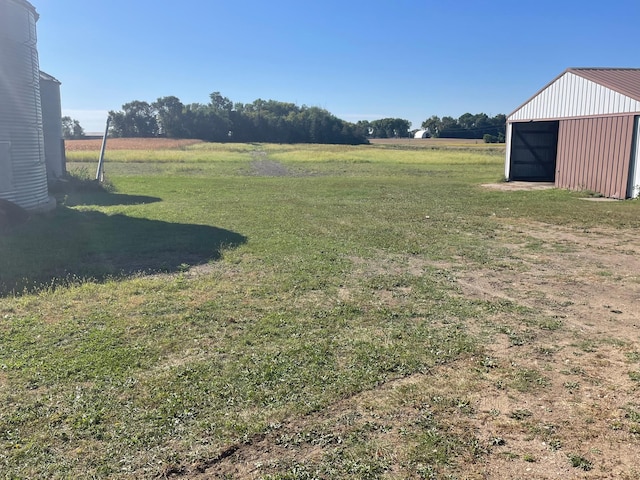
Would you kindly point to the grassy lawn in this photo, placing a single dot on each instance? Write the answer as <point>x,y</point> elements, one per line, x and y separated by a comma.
<point>300,302</point>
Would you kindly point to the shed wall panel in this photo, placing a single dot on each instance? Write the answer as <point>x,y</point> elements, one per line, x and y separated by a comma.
<point>594,154</point>
<point>574,96</point>
<point>633,188</point>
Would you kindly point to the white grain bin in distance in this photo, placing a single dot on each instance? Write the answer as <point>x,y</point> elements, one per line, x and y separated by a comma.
<point>23,175</point>
<point>52,127</point>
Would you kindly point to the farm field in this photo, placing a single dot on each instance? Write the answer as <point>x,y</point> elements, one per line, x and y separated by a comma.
<point>94,144</point>
<point>318,311</point>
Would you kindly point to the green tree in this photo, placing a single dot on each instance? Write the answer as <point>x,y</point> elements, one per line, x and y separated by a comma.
<point>390,128</point>
<point>449,123</point>
<point>137,119</point>
<point>467,121</point>
<point>219,103</point>
<point>71,128</point>
<point>433,125</point>
<point>170,111</point>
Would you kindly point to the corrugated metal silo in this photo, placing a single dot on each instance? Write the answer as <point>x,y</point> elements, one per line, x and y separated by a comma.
<point>52,127</point>
<point>23,176</point>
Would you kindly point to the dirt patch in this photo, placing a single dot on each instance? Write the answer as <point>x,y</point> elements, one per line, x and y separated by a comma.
<point>269,168</point>
<point>515,186</point>
<point>578,340</point>
<point>262,166</point>
<point>600,199</point>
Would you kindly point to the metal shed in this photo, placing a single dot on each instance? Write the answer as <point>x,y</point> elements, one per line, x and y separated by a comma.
<point>581,131</point>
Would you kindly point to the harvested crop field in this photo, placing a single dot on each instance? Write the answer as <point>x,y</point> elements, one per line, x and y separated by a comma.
<point>128,144</point>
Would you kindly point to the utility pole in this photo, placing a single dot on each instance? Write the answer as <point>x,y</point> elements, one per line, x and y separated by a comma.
<point>100,171</point>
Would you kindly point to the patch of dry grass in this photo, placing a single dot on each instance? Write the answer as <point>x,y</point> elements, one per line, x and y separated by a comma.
<point>129,144</point>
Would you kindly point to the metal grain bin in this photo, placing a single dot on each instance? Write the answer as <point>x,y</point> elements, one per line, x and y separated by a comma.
<point>23,176</point>
<point>52,127</point>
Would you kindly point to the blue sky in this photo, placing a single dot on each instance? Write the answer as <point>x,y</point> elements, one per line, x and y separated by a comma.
<point>361,60</point>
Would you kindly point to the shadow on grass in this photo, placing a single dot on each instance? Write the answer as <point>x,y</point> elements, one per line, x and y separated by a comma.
<point>102,200</point>
<point>79,188</point>
<point>69,245</point>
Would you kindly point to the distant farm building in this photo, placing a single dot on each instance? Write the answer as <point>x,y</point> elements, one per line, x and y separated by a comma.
<point>581,132</point>
<point>422,134</point>
<point>23,174</point>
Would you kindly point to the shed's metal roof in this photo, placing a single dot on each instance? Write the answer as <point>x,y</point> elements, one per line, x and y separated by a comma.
<point>584,92</point>
<point>622,80</point>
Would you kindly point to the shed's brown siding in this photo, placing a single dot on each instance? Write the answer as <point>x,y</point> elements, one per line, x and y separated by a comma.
<point>594,154</point>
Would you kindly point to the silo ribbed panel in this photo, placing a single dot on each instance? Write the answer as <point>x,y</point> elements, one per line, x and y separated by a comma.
<point>22,165</point>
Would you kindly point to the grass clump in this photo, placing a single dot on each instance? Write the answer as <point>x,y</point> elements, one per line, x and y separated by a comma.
<point>578,461</point>
<point>79,180</point>
<point>635,376</point>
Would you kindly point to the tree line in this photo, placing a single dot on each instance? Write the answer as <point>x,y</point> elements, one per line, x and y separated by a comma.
<point>386,128</point>
<point>480,125</point>
<point>222,120</point>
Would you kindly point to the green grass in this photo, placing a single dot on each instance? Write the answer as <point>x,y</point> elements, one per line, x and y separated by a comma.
<point>197,304</point>
<point>578,461</point>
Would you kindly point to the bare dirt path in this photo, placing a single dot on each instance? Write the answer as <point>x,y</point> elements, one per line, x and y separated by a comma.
<point>262,166</point>
<point>585,287</point>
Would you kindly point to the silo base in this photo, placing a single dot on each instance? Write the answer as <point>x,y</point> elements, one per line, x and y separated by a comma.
<point>45,207</point>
